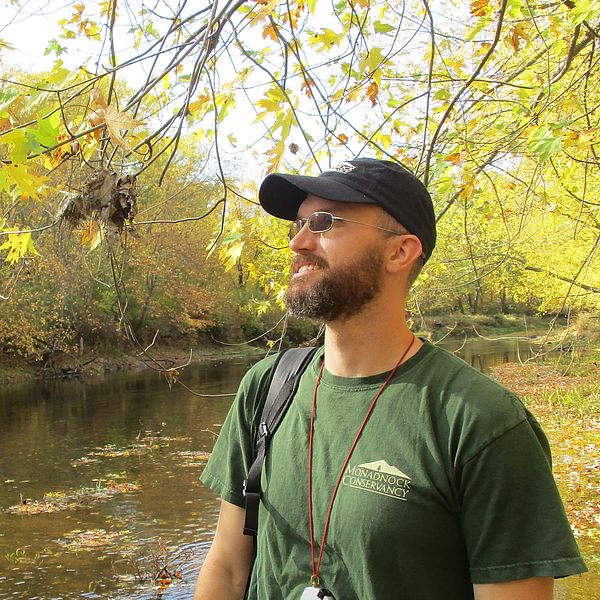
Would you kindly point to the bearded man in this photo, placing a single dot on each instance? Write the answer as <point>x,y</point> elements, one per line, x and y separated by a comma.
<point>398,471</point>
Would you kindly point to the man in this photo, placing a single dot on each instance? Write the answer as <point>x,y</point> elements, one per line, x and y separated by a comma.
<point>398,471</point>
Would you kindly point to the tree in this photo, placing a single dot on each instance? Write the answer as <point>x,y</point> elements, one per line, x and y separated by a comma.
<point>494,105</point>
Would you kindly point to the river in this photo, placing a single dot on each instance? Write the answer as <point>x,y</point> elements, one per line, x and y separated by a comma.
<point>99,486</point>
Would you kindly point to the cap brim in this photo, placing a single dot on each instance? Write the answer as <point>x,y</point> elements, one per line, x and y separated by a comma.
<point>281,195</point>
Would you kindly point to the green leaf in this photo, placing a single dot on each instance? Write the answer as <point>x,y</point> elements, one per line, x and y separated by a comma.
<point>544,142</point>
<point>372,60</point>
<point>20,143</point>
<point>7,97</point>
<point>56,47</point>
<point>585,10</point>
<point>48,131</point>
<point>383,27</point>
<point>515,9</point>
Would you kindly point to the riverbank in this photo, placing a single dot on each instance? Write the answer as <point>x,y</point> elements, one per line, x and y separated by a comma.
<point>95,362</point>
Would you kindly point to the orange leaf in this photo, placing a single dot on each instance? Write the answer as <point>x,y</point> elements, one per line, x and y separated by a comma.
<point>343,138</point>
<point>95,120</point>
<point>269,32</point>
<point>478,7</point>
<point>97,98</point>
<point>372,92</point>
<point>92,235</point>
<point>455,158</point>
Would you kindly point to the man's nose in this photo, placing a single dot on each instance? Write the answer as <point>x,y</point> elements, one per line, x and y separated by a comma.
<point>303,240</point>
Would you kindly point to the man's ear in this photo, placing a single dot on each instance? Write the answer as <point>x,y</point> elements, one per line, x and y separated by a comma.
<point>403,250</point>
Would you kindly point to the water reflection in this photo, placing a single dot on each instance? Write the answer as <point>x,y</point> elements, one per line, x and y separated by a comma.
<point>50,432</point>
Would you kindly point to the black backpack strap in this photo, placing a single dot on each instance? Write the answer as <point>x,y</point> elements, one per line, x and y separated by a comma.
<point>287,371</point>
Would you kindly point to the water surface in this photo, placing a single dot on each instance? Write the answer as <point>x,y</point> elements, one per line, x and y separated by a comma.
<point>63,436</point>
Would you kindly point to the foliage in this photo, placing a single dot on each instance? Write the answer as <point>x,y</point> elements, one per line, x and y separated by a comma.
<point>493,103</point>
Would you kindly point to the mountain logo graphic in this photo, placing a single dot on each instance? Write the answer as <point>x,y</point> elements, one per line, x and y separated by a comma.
<point>383,467</point>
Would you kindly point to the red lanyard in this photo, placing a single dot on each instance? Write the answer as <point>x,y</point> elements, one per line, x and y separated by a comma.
<point>314,580</point>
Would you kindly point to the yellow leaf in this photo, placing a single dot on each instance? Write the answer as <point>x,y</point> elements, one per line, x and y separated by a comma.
<point>202,101</point>
<point>28,184</point>
<point>18,246</point>
<point>232,254</point>
<point>92,235</point>
<point>88,145</point>
<point>275,155</point>
<point>515,35</point>
<point>326,39</point>
<point>115,122</point>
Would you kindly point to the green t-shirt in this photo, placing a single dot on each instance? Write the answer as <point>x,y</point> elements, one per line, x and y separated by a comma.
<point>450,484</point>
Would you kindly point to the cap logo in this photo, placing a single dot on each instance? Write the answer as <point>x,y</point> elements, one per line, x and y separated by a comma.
<point>343,167</point>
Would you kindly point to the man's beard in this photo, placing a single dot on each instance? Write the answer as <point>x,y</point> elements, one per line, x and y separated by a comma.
<point>340,292</point>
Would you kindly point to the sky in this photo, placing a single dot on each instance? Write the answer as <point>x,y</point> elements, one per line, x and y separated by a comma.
<point>29,27</point>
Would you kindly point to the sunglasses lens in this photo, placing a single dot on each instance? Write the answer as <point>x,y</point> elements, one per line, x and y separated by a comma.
<point>295,227</point>
<point>319,222</point>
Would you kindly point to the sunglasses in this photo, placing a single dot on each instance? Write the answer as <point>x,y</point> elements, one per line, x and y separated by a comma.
<point>320,222</point>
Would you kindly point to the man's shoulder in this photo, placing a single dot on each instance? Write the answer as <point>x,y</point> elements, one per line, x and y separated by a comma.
<point>462,388</point>
<point>454,372</point>
<point>258,375</point>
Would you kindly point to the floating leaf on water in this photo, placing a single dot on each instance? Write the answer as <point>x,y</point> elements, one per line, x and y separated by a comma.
<point>63,500</point>
<point>88,540</point>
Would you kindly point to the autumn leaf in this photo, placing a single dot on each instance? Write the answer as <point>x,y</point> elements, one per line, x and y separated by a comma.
<point>326,39</point>
<point>27,184</point>
<point>306,86</point>
<point>5,124</point>
<point>97,98</point>
<point>515,35</point>
<point>199,104</point>
<point>478,7</point>
<point>18,245</point>
<point>455,158</point>
<point>275,155</point>
<point>92,235</point>
<point>115,122</point>
<point>372,92</point>
<point>270,33</point>
<point>231,254</point>
<point>343,138</point>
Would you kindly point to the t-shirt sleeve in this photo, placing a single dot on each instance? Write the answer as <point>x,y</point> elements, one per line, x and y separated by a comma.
<point>233,452</point>
<point>514,523</point>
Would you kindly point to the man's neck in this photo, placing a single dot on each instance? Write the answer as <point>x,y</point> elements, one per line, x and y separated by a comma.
<point>367,344</point>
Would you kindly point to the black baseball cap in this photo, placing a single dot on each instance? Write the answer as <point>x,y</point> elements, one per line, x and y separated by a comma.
<point>361,180</point>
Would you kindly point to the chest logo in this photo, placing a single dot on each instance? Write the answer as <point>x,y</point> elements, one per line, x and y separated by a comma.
<point>378,477</point>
